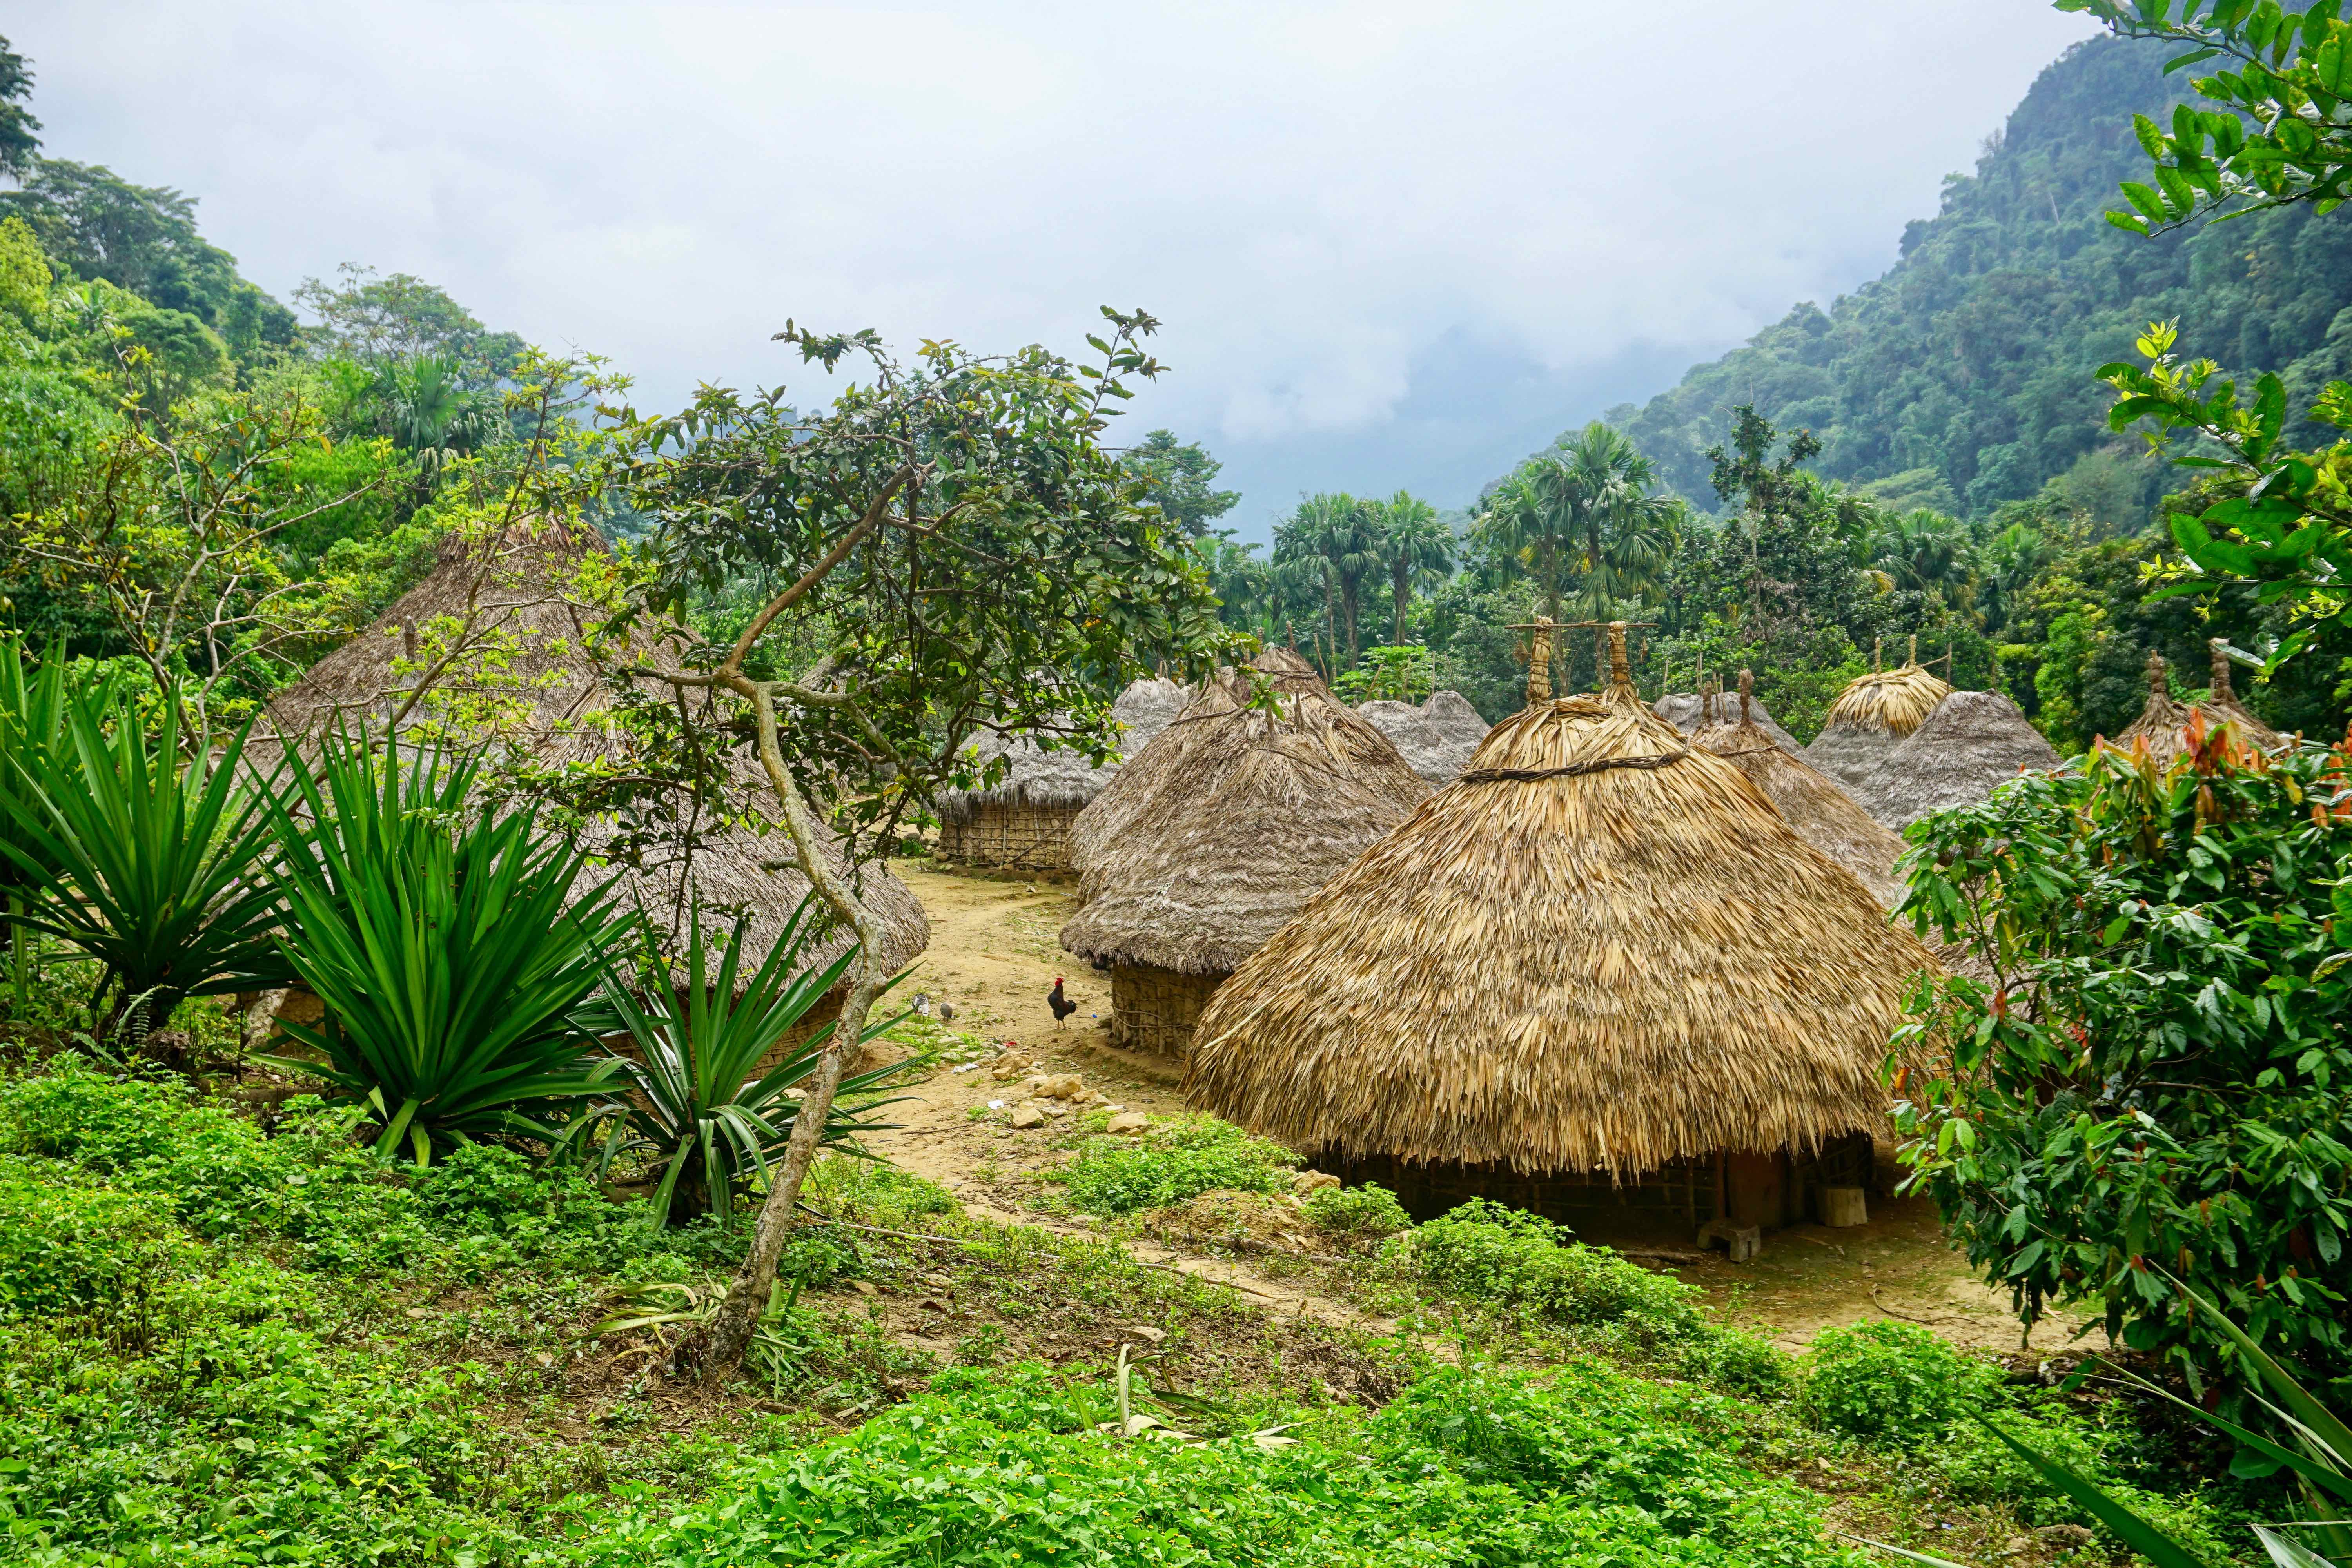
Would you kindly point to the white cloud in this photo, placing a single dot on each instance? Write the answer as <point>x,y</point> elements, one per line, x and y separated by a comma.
<point>1316,199</point>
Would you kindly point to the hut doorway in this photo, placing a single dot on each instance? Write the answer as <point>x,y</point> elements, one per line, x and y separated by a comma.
<point>1768,1191</point>
<point>1155,1010</point>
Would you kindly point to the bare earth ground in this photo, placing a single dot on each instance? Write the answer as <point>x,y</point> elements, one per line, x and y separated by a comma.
<point>995,954</point>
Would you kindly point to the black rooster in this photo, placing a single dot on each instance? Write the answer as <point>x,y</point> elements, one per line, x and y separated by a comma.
<point>1061,1006</point>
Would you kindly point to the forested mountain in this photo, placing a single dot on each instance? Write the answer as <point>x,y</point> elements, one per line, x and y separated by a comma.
<point>1961,378</point>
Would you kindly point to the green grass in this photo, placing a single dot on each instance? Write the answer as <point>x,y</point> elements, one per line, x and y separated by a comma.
<point>223,1345</point>
<point>1176,1160</point>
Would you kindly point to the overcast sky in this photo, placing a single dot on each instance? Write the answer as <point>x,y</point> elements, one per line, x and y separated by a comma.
<point>1392,245</point>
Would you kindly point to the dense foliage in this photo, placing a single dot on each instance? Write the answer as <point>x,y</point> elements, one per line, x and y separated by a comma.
<point>2153,1091</point>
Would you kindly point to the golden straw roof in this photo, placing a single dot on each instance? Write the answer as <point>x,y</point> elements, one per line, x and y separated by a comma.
<point>1216,832</point>
<point>1600,950</point>
<point>2163,724</point>
<point>548,702</point>
<point>1870,718</point>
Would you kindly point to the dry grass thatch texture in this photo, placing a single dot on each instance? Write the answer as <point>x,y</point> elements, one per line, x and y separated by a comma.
<point>1220,829</point>
<point>1609,969</point>
<point>1063,779</point>
<point>551,703</point>
<point>1436,737</point>
<point>1891,702</point>
<point>1824,815</point>
<point>1691,712</point>
<point>1974,742</point>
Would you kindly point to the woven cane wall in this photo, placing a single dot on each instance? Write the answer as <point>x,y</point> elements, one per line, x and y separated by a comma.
<point>1018,837</point>
<point>1155,1009</point>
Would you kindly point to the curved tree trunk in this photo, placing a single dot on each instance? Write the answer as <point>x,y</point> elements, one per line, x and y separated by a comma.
<point>718,1350</point>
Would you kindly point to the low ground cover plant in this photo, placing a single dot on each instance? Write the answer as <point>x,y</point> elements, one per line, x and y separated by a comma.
<point>1176,1160</point>
<point>1506,1258</point>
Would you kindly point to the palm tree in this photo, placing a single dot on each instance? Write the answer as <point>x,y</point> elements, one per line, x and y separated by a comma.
<point>1622,534</point>
<point>1925,551</point>
<point>1412,543</point>
<point>1330,537</point>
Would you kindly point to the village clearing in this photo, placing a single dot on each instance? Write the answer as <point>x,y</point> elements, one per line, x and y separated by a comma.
<point>994,957</point>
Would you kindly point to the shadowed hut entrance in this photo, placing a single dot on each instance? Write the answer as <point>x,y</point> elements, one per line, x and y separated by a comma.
<point>1213,836</point>
<point>1599,976</point>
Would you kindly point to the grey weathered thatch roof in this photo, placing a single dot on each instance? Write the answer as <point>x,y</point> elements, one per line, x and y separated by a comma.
<point>1691,711</point>
<point>1973,741</point>
<point>1870,718</point>
<point>1215,833</point>
<point>1824,815</point>
<point>1607,953</point>
<point>1063,778</point>
<point>549,703</point>
<point>1436,737</point>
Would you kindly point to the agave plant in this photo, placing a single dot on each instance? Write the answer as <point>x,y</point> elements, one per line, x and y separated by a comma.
<point>702,1105</point>
<point>152,868</point>
<point>446,943</point>
<point>32,722</point>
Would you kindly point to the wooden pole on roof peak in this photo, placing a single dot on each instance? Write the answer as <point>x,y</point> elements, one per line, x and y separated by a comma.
<point>1877,651</point>
<point>1746,696</point>
<point>2220,677</point>
<point>1913,657</point>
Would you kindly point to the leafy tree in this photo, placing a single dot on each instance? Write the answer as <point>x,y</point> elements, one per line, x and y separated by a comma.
<point>380,321</point>
<point>143,239</point>
<point>17,142</point>
<point>972,556</point>
<point>1179,480</point>
<point>1622,533</point>
<point>2155,1089</point>
<point>2285,521</point>
<point>2282,132</point>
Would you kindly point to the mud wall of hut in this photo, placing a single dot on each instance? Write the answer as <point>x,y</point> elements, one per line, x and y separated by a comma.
<point>1015,837</point>
<point>1155,1009</point>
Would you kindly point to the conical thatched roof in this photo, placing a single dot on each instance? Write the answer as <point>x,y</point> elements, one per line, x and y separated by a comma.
<point>2164,725</point>
<point>1973,741</point>
<point>1599,950</point>
<point>1824,815</point>
<point>1218,831</point>
<point>1063,777</point>
<point>1691,711</point>
<point>550,702</point>
<point>1436,737</point>
<point>1871,717</point>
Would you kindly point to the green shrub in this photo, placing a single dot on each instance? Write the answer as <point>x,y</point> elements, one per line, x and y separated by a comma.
<point>1356,1214</point>
<point>1737,1363</point>
<point>1173,1162</point>
<point>1583,1469</point>
<point>1890,1384</point>
<point>1485,1252</point>
<point>76,1246</point>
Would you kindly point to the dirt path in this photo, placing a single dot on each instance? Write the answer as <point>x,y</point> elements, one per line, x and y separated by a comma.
<point>995,954</point>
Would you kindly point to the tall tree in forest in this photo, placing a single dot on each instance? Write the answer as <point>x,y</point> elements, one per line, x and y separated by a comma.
<point>18,145</point>
<point>1414,545</point>
<point>1331,536</point>
<point>1180,479</point>
<point>1621,532</point>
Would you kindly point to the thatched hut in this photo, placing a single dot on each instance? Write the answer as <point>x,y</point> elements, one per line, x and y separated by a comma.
<point>1823,815</point>
<point>1875,713</point>
<point>548,704</point>
<point>1973,741</point>
<point>2164,726</point>
<point>1023,822</point>
<point>1436,737</point>
<point>1599,976</point>
<point>1215,835</point>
